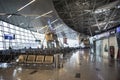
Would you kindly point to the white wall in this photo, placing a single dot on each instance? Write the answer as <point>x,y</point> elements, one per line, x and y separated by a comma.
<point>104,53</point>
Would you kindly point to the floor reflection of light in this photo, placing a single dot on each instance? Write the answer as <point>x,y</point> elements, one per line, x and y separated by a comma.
<point>14,73</point>
<point>17,60</point>
<point>1,78</point>
<point>100,77</point>
<point>87,59</point>
<point>19,69</point>
<point>19,79</point>
<point>91,57</point>
<point>78,58</point>
<point>81,52</point>
<point>99,59</point>
<point>65,70</point>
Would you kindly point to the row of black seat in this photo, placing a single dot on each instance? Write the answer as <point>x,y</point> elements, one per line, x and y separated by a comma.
<point>38,51</point>
<point>7,57</point>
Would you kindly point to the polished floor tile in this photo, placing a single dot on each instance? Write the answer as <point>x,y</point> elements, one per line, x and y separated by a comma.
<point>78,65</point>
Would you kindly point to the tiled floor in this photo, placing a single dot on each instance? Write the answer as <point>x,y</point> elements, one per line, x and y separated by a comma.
<point>79,65</point>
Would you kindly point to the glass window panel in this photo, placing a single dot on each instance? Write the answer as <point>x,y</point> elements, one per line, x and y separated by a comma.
<point>13,44</point>
<point>5,24</point>
<point>1,27</point>
<point>26,41</point>
<point>29,32</point>
<point>17,36</point>
<point>25,34</point>
<point>1,33</point>
<point>25,30</point>
<point>1,44</point>
<point>1,48</point>
<point>0,22</point>
<point>17,28</point>
<point>15,39</point>
<point>12,31</point>
<point>21,37</point>
<point>24,37</point>
<point>33,37</point>
<point>12,41</point>
<point>31,41</point>
<point>22,40</point>
<point>22,33</point>
<point>17,32</point>
<point>6,29</point>
<point>30,38</point>
<point>7,43</point>
<point>6,33</point>
<point>11,26</point>
<point>1,38</point>
<point>22,29</point>
<point>19,40</point>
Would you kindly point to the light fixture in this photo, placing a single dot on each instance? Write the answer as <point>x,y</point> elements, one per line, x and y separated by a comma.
<point>100,24</point>
<point>58,26</point>
<point>26,5</point>
<point>22,7</point>
<point>54,21</point>
<point>100,11</point>
<point>42,27</point>
<point>118,6</point>
<point>9,16</point>
<point>44,14</point>
<point>21,24</point>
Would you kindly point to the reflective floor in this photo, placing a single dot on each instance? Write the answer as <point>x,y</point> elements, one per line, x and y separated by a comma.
<point>79,65</point>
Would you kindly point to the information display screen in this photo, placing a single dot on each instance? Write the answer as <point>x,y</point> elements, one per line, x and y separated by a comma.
<point>9,36</point>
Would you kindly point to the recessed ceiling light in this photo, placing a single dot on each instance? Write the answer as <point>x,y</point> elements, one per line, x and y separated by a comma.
<point>21,24</point>
<point>54,21</point>
<point>44,14</point>
<point>9,16</point>
<point>26,5</point>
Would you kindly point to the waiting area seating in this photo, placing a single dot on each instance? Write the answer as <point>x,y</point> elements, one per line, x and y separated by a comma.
<point>22,58</point>
<point>40,59</point>
<point>36,59</point>
<point>48,59</point>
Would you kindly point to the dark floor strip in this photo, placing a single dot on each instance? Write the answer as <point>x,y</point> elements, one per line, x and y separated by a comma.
<point>33,72</point>
<point>97,69</point>
<point>77,75</point>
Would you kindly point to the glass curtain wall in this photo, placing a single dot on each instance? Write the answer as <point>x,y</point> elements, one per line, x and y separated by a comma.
<point>23,37</point>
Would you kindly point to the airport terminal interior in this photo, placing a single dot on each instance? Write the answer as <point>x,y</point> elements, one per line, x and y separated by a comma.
<point>59,39</point>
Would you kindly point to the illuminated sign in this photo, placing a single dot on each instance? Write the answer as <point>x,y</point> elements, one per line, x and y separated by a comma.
<point>9,36</point>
